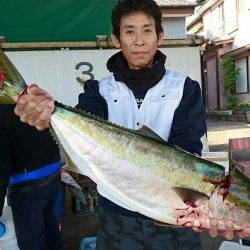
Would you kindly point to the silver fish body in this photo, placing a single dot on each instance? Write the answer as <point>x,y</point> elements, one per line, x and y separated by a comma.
<point>140,170</point>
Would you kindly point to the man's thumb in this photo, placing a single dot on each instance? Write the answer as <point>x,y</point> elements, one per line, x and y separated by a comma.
<point>33,89</point>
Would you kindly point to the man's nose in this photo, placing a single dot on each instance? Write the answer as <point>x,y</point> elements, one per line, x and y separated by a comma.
<point>139,39</point>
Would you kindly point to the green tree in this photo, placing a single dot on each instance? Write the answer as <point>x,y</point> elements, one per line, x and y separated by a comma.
<point>230,75</point>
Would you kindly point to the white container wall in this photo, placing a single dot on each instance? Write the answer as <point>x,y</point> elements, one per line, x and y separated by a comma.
<point>59,71</point>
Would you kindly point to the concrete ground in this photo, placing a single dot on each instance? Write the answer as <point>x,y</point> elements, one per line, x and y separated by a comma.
<point>219,133</point>
<point>77,227</point>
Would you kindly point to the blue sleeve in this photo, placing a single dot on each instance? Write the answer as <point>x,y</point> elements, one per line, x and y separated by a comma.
<point>189,122</point>
<point>91,100</point>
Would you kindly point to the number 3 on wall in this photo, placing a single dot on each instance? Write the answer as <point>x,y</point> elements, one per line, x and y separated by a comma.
<point>86,72</point>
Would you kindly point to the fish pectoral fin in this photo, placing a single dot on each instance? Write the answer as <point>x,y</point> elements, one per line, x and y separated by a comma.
<point>146,131</point>
<point>189,196</point>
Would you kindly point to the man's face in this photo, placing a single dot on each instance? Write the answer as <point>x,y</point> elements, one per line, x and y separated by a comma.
<point>138,40</point>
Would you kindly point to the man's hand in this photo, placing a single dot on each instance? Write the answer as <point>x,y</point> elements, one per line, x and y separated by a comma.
<point>213,231</point>
<point>228,233</point>
<point>35,108</point>
<point>245,233</point>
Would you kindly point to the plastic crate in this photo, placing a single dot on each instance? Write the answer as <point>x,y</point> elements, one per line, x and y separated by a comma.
<point>88,243</point>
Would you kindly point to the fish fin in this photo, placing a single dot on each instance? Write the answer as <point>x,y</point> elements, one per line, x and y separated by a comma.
<point>183,150</point>
<point>189,196</point>
<point>11,82</point>
<point>146,131</point>
<point>4,99</point>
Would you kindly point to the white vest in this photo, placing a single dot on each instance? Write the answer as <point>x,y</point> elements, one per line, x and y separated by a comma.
<point>156,112</point>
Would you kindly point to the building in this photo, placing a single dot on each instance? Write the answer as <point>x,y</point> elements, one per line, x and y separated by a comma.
<point>174,13</point>
<point>225,27</point>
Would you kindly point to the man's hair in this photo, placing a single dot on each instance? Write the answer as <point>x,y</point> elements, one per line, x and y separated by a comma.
<point>126,7</point>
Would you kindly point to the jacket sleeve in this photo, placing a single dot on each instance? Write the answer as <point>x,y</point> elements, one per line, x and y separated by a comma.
<point>5,165</point>
<point>92,101</point>
<point>189,122</point>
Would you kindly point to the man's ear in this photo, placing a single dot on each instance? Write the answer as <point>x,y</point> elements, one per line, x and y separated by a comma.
<point>115,41</point>
<point>160,39</point>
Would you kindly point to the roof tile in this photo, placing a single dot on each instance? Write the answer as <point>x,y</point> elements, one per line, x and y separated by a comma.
<point>175,2</point>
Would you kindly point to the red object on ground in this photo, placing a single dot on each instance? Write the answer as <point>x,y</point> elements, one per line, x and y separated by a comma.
<point>240,143</point>
<point>243,145</point>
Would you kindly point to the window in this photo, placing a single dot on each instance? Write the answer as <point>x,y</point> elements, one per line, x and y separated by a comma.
<point>231,15</point>
<point>243,5</point>
<point>221,19</point>
<point>242,79</point>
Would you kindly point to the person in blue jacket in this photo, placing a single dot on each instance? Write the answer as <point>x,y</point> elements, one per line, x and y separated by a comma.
<point>140,91</point>
<point>30,166</point>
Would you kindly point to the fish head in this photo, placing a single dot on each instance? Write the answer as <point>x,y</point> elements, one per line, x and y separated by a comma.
<point>231,201</point>
<point>212,173</point>
<point>12,84</point>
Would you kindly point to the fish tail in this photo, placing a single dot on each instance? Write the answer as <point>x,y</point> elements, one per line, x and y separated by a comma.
<point>12,84</point>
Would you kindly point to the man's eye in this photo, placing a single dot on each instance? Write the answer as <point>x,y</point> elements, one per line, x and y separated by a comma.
<point>129,32</point>
<point>147,30</point>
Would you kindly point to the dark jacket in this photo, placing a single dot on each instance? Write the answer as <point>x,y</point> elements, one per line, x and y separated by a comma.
<point>22,147</point>
<point>189,122</point>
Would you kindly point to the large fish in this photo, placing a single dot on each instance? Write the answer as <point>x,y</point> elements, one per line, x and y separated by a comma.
<point>140,169</point>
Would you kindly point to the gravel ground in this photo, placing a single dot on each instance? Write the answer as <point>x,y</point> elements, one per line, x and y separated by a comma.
<point>219,133</point>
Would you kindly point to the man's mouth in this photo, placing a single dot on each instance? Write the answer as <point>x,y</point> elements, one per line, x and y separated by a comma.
<point>139,54</point>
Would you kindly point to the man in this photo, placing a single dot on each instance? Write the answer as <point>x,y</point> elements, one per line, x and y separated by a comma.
<point>29,164</point>
<point>140,92</point>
